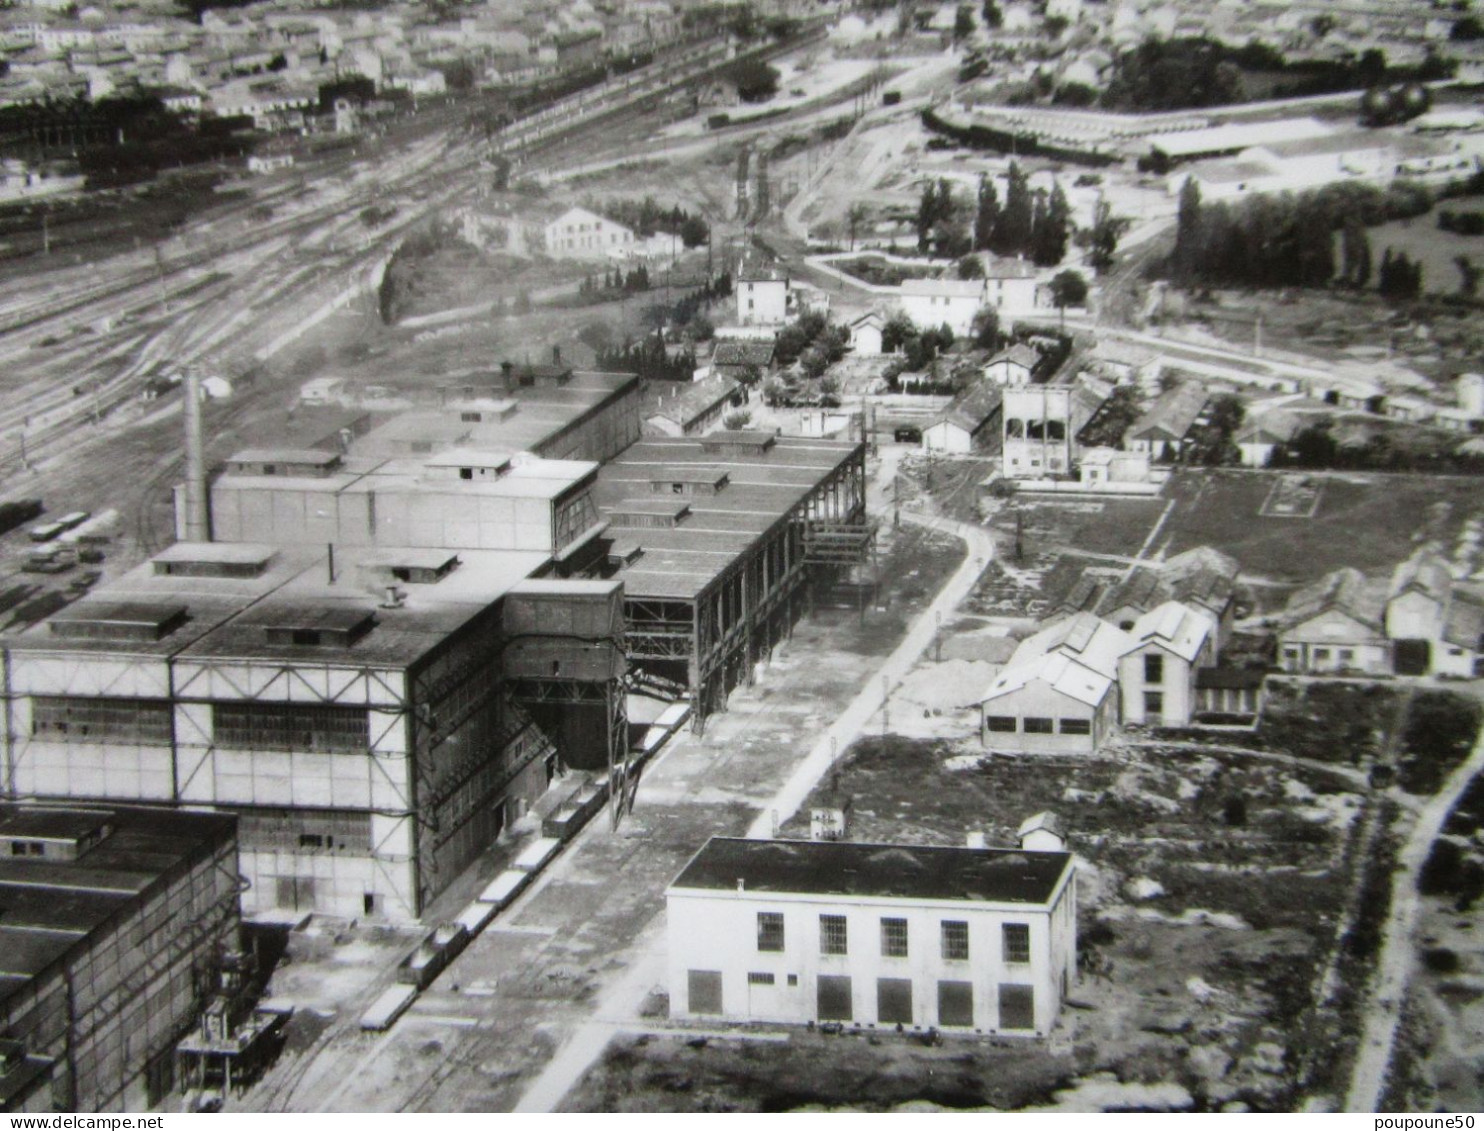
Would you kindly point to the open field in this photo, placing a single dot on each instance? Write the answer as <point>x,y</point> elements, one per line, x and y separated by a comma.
<point>1370,522</point>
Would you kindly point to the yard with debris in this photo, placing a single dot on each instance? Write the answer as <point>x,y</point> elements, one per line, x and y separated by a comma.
<point>1214,890</point>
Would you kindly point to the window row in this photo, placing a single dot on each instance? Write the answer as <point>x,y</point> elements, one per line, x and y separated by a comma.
<point>1015,1005</point>
<point>953,937</point>
<point>76,718</point>
<point>1009,724</point>
<point>296,727</point>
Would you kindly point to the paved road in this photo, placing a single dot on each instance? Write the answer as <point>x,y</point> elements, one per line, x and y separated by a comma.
<point>1398,952</point>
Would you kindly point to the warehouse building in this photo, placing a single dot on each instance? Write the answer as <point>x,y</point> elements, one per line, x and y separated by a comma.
<point>968,940</point>
<point>114,918</point>
<point>715,539</point>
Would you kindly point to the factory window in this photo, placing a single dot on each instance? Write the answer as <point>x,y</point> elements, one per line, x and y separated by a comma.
<point>833,935</point>
<point>305,636</point>
<point>833,998</point>
<point>298,727</point>
<point>317,831</point>
<point>1017,1007</point>
<point>466,473</point>
<point>1037,726</point>
<point>270,469</point>
<point>1016,938</point>
<point>1154,668</point>
<point>756,979</point>
<point>1154,705</point>
<point>1004,723</point>
<point>770,930</point>
<point>955,940</point>
<point>894,1001</point>
<point>894,938</point>
<point>27,848</point>
<point>66,718</point>
<point>1076,726</point>
<point>956,1003</point>
<point>471,417</point>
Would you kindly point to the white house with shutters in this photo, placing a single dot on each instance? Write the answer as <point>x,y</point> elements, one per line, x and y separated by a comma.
<point>874,936</point>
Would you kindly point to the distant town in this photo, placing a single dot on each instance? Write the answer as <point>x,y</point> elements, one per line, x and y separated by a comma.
<point>731,556</point>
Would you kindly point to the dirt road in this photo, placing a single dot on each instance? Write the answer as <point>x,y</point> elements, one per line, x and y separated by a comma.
<point>1398,954</point>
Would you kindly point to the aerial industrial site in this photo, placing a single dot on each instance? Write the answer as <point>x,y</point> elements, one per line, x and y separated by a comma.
<point>730,556</point>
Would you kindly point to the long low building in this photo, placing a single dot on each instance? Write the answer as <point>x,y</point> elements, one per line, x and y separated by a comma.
<point>972,940</point>
<point>715,538</point>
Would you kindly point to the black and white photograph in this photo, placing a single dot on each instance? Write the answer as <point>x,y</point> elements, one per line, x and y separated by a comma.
<point>625,557</point>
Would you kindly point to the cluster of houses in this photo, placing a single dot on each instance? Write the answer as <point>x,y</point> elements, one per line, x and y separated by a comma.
<point>271,63</point>
<point>1151,657</point>
<point>1421,621</point>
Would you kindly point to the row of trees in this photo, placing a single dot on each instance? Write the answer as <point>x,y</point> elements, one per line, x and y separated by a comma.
<point>1036,225</point>
<point>1283,241</point>
<point>616,281</point>
<point>649,358</point>
<point>646,217</point>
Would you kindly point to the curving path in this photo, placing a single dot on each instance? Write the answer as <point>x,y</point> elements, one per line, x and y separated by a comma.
<point>1394,967</point>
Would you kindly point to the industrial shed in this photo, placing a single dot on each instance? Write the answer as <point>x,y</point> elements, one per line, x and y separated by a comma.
<point>716,538</point>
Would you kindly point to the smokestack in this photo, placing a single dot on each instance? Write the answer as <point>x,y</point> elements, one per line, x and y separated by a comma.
<point>197,517</point>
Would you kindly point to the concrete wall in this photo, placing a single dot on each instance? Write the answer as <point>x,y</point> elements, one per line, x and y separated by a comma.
<point>1176,685</point>
<point>717,931</point>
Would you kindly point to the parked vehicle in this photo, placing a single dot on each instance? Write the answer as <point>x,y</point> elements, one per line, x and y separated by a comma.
<point>47,531</point>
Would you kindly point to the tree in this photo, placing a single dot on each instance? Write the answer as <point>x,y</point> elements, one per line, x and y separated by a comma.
<point>1355,253</point>
<point>1103,236</point>
<point>1012,234</point>
<point>737,419</point>
<point>1468,283</point>
<point>855,219</point>
<point>1068,288</point>
<point>963,22</point>
<point>1185,257</point>
<point>694,231</point>
<point>897,331</point>
<point>1051,224</point>
<point>991,14</point>
<point>755,80</point>
<point>970,267</point>
<point>986,213</point>
<point>987,334</point>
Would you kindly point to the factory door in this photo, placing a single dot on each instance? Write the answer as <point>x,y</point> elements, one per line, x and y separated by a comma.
<point>295,893</point>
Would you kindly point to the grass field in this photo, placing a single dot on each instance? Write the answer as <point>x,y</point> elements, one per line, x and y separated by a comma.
<point>1370,522</point>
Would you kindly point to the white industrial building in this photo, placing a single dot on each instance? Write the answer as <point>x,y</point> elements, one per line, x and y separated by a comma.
<point>354,708</point>
<point>967,940</point>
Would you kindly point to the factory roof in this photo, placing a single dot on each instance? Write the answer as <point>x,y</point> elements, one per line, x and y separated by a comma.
<point>1236,136</point>
<point>52,906</point>
<point>680,562</point>
<point>253,618</point>
<point>881,871</point>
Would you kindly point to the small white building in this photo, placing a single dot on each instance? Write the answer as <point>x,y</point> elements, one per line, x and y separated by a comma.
<point>865,334</point>
<point>1013,366</point>
<point>962,940</point>
<point>763,297</point>
<point>1335,625</point>
<point>970,422</point>
<point>931,303</point>
<point>1059,692</point>
<point>263,163</point>
<point>322,391</point>
<point>580,234</point>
